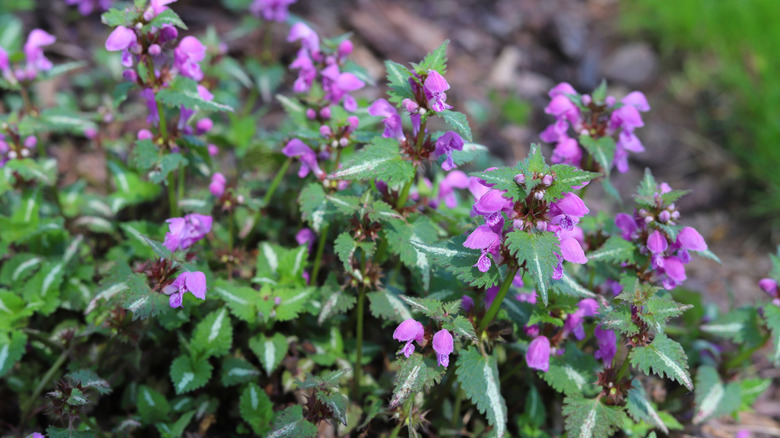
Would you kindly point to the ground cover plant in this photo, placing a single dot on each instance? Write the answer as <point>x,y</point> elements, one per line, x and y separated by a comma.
<point>355,272</point>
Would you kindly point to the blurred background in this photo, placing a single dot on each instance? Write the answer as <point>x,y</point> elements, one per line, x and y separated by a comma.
<point>709,70</point>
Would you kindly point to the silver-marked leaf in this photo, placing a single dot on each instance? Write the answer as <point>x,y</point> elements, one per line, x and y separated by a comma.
<point>188,375</point>
<point>663,356</point>
<point>270,351</point>
<point>478,376</point>
<point>214,334</point>
<point>256,409</point>
<point>640,408</point>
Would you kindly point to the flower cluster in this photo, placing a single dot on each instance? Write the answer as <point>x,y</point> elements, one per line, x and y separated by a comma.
<point>591,116</point>
<point>413,331</point>
<point>140,46</point>
<point>13,147</point>
<point>35,61</point>
<point>654,230</point>
<point>86,7</point>
<point>271,10</point>
<point>533,213</point>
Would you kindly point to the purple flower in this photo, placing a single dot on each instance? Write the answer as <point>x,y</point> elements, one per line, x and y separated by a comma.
<point>217,186</point>
<point>4,63</point>
<point>486,240</point>
<point>538,354</point>
<point>34,53</point>
<point>467,303</point>
<point>573,324</point>
<point>309,38</point>
<point>442,345</point>
<point>392,121</point>
<point>121,38</point>
<point>408,331</point>
<point>454,180</point>
<point>567,151</point>
<point>337,86</point>
<point>297,148</point>
<point>607,341</point>
<point>627,225</point>
<point>690,239</point>
<point>271,10</point>
<point>87,6</point>
<point>769,286</point>
<point>156,7</point>
<point>305,237</point>
<point>448,142</point>
<point>435,86</point>
<point>187,56</point>
<point>657,243</point>
<point>183,232</point>
<point>192,282</point>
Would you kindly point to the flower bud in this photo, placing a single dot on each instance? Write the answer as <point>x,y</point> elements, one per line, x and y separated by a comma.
<point>539,195</point>
<point>144,134</point>
<point>130,75</point>
<point>325,131</point>
<point>664,216</point>
<point>541,226</point>
<point>334,144</point>
<point>155,50</point>
<point>325,113</point>
<point>345,48</point>
<point>25,153</point>
<point>12,154</point>
<point>204,125</point>
<point>649,219</point>
<point>547,180</point>
<point>520,178</point>
<point>277,300</point>
<point>586,99</point>
<point>343,142</point>
<point>30,142</point>
<point>213,150</point>
<point>311,114</point>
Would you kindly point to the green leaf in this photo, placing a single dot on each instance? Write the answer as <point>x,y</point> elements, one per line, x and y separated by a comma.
<point>398,82</point>
<point>538,252</point>
<point>89,380</point>
<point>11,350</point>
<point>290,424</point>
<point>337,403</point>
<point>663,356</point>
<point>386,305</point>
<point>713,398</point>
<point>566,178</point>
<point>417,374</point>
<point>462,327</point>
<point>602,149</point>
<point>640,408</point>
<point>120,92</point>
<point>402,236</point>
<point>659,309</point>
<point>430,307</point>
<point>168,16</point>
<point>145,154</point>
<point>167,164</point>
<point>647,186</point>
<point>119,17</point>
<point>614,250</point>
<point>503,178</point>
<point>772,318</point>
<point>188,375</point>
<point>436,60</point>
<point>236,370</point>
<point>457,121</point>
<point>292,302</point>
<point>618,318</point>
<point>336,301</point>
<point>175,430</point>
<point>381,159</point>
<point>469,153</point>
<point>239,299</point>
<point>740,326</point>
<point>587,418</point>
<point>152,406</point>
<point>214,335</point>
<point>567,285</point>
<point>345,247</point>
<point>478,377</point>
<point>59,120</point>
<point>256,409</point>
<point>571,373</point>
<point>319,208</point>
<point>184,92</point>
<point>459,260</point>
<point>269,351</point>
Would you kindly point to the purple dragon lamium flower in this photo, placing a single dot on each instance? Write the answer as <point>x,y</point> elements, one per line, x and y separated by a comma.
<point>271,10</point>
<point>217,186</point>
<point>607,341</point>
<point>156,7</point>
<point>454,180</point>
<point>442,345</point>
<point>573,324</point>
<point>187,57</point>
<point>305,237</point>
<point>183,232</point>
<point>435,86</point>
<point>297,148</point>
<point>309,39</point>
<point>124,39</point>
<point>448,142</point>
<point>769,286</point>
<point>392,120</point>
<point>486,240</point>
<point>538,354</point>
<point>33,52</point>
<point>338,85</point>
<point>408,331</point>
<point>192,282</point>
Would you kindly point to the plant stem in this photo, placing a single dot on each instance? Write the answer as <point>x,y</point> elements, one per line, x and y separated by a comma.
<point>28,405</point>
<point>318,258</point>
<point>397,429</point>
<point>359,343</point>
<point>743,356</point>
<point>277,180</point>
<point>493,310</point>
<point>172,203</point>
<point>456,408</point>
<point>182,175</point>
<point>404,194</point>
<point>623,369</point>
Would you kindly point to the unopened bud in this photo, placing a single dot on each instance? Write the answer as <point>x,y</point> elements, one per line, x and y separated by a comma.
<point>547,180</point>
<point>311,114</point>
<point>642,212</point>
<point>325,113</point>
<point>325,131</point>
<point>520,178</point>
<point>586,99</point>
<point>277,300</point>
<point>240,199</point>
<point>518,224</point>
<point>12,155</point>
<point>539,195</point>
<point>423,111</point>
<point>155,49</point>
<point>649,219</point>
<point>541,226</point>
<point>343,142</point>
<point>675,215</point>
<point>25,153</point>
<point>334,143</point>
<point>664,216</point>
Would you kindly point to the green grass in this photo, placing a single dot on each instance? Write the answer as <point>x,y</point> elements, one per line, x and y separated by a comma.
<point>732,50</point>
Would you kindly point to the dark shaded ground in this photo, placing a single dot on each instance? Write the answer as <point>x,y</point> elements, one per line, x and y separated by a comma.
<point>522,48</point>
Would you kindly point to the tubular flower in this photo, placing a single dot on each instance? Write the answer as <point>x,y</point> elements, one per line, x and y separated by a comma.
<point>408,331</point>
<point>442,345</point>
<point>192,282</point>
